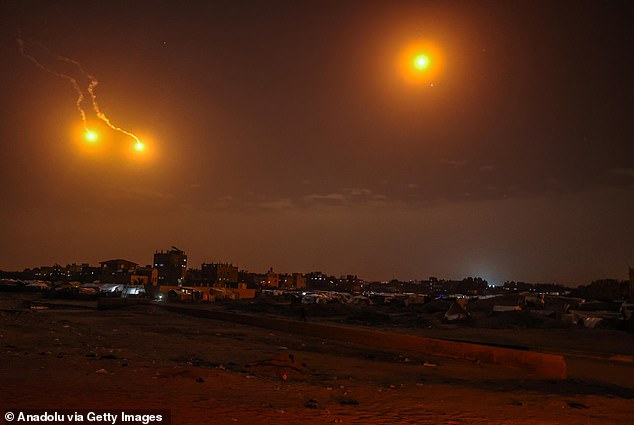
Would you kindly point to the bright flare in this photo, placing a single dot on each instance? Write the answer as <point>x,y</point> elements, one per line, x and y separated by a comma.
<point>421,62</point>
<point>139,146</point>
<point>91,136</point>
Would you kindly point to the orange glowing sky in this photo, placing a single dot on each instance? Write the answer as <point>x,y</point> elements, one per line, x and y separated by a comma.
<point>315,136</point>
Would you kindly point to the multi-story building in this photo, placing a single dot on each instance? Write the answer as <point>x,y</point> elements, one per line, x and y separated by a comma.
<point>349,283</point>
<point>117,270</point>
<point>224,274</point>
<point>73,271</point>
<point>141,275</point>
<point>118,265</point>
<point>296,281</point>
<point>272,279</point>
<point>252,280</point>
<point>316,280</point>
<point>90,273</point>
<point>170,267</point>
<point>284,281</point>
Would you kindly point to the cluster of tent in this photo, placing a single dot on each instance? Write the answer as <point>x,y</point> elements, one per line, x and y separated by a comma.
<point>501,309</point>
<point>329,297</point>
<point>72,289</point>
<point>17,285</point>
<point>567,310</point>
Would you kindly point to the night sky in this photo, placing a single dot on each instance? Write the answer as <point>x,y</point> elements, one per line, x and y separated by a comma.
<point>286,135</point>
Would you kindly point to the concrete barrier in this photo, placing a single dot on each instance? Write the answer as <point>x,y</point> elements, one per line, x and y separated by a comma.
<point>550,366</point>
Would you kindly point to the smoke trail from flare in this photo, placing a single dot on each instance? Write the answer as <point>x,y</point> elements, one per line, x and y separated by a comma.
<point>90,89</point>
<point>102,116</point>
<point>73,82</point>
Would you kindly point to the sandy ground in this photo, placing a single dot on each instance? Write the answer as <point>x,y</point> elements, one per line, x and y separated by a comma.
<point>214,372</point>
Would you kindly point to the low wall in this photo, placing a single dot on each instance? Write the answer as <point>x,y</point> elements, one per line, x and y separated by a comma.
<point>550,366</point>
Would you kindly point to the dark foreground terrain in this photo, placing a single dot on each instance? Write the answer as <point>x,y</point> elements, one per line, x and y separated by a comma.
<point>215,372</point>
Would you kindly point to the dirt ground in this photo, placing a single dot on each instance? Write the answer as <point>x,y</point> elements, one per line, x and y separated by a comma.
<point>213,372</point>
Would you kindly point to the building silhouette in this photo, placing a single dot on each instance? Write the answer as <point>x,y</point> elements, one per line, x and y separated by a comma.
<point>116,270</point>
<point>219,273</point>
<point>170,267</point>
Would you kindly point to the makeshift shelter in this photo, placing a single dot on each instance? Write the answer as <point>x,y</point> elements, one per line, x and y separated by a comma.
<point>457,310</point>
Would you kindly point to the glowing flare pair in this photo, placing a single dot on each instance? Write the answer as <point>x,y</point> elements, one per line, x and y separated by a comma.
<point>89,135</point>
